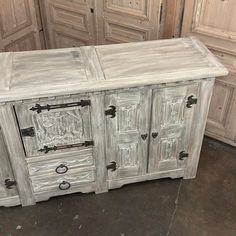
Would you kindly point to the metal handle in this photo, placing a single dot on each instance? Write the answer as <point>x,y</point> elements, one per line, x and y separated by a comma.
<point>112,166</point>
<point>64,185</point>
<point>154,134</point>
<point>144,136</point>
<point>61,169</point>
<point>38,108</point>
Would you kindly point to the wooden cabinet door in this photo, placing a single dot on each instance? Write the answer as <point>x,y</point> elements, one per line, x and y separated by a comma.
<point>127,132</point>
<point>55,126</point>
<point>127,21</point>
<point>214,22</point>
<point>18,26</point>
<point>170,127</point>
<point>68,23</point>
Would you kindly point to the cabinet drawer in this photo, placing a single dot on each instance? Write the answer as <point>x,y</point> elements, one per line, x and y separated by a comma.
<point>62,183</point>
<point>55,126</point>
<point>61,165</point>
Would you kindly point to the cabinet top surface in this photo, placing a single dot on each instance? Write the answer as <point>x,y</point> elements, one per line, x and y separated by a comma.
<point>33,74</point>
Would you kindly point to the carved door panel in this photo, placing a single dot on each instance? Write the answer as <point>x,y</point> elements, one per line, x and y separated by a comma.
<point>127,21</point>
<point>68,23</point>
<point>127,129</point>
<point>55,126</point>
<point>19,30</point>
<point>170,127</point>
<point>5,173</point>
<point>214,22</point>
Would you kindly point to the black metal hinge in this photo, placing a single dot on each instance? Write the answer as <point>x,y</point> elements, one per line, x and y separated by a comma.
<point>111,111</point>
<point>47,149</point>
<point>190,101</point>
<point>183,155</point>
<point>28,132</point>
<point>112,166</point>
<point>38,108</point>
<point>9,183</point>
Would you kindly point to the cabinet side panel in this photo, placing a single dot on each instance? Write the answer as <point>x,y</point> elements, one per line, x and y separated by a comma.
<point>198,127</point>
<point>16,154</point>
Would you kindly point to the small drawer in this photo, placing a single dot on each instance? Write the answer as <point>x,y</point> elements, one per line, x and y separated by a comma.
<point>61,165</point>
<point>63,182</point>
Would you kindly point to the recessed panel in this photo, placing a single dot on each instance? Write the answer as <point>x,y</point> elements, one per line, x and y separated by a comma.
<point>14,16</point>
<point>132,7</point>
<point>25,43</point>
<point>216,18</point>
<point>65,40</point>
<point>220,103</point>
<point>128,155</point>
<point>69,17</point>
<point>118,33</point>
<point>169,148</point>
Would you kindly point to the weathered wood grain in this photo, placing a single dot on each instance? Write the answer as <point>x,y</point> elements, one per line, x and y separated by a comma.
<point>124,142</point>
<point>198,127</point>
<point>16,154</point>
<point>98,130</point>
<point>58,72</point>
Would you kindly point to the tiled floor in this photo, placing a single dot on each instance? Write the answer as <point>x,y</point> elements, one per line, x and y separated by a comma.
<point>205,206</point>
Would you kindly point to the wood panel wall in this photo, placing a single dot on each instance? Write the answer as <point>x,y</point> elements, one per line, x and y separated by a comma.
<point>36,24</point>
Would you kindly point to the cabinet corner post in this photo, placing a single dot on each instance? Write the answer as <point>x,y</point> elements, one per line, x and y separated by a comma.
<point>98,130</point>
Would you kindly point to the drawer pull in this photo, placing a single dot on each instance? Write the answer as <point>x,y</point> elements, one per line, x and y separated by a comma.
<point>47,149</point>
<point>61,169</point>
<point>38,108</point>
<point>64,185</point>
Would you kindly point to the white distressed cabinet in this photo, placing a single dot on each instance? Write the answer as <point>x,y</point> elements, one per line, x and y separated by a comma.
<point>91,119</point>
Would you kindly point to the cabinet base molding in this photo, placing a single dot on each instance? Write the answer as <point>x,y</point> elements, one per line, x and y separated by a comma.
<point>10,201</point>
<point>173,174</point>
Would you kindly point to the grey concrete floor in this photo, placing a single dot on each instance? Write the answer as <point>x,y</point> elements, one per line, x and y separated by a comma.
<point>205,206</point>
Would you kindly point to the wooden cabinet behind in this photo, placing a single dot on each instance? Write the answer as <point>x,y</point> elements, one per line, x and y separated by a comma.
<point>214,22</point>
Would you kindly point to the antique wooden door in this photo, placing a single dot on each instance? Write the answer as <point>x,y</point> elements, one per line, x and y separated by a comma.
<point>127,132</point>
<point>127,21</point>
<point>19,30</point>
<point>68,23</point>
<point>170,127</point>
<point>214,22</point>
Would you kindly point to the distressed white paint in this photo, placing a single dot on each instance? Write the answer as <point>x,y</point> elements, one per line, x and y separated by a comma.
<point>149,84</point>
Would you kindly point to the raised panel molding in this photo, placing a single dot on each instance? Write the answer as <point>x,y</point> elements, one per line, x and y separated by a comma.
<point>68,23</point>
<point>207,20</point>
<point>70,17</point>
<point>66,40</point>
<point>14,16</point>
<point>219,107</point>
<point>19,28</point>
<point>25,43</point>
<point>134,8</point>
<point>119,32</point>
